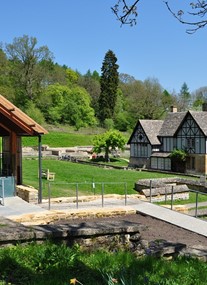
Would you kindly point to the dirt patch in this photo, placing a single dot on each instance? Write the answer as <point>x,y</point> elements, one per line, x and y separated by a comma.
<point>154,229</point>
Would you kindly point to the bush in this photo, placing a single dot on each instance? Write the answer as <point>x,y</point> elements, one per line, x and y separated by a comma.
<point>179,154</point>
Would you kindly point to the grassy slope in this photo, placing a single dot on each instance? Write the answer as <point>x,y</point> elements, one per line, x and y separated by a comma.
<point>68,172</point>
<point>60,139</point>
<point>63,136</point>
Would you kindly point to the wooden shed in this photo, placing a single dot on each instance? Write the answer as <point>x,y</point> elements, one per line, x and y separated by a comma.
<point>15,124</point>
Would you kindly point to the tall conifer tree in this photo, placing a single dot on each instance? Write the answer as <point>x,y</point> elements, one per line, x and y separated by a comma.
<point>109,84</point>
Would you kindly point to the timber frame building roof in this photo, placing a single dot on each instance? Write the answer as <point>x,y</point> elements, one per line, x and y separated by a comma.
<point>173,121</point>
<point>154,129</point>
<point>151,129</point>
<point>13,119</point>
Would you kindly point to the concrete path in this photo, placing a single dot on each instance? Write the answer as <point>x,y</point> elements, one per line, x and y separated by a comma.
<point>15,206</point>
<point>176,218</point>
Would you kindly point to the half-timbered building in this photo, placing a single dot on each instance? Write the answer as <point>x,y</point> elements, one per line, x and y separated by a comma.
<point>180,130</point>
<point>144,141</point>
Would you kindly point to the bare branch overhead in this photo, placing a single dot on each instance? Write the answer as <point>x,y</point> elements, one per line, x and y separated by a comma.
<point>126,11</point>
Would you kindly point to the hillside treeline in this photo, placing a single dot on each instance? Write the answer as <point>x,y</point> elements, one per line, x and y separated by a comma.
<point>57,94</point>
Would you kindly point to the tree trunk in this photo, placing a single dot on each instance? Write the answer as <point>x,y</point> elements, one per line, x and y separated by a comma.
<point>107,155</point>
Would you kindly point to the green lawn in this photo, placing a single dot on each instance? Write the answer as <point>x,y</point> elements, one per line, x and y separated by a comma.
<point>191,200</point>
<point>69,172</point>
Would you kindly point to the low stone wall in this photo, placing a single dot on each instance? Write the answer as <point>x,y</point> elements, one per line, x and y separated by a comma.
<point>180,192</point>
<point>113,237</point>
<point>28,194</point>
<point>162,182</point>
<point>161,188</point>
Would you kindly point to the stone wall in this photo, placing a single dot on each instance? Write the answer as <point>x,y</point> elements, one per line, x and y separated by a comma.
<point>28,194</point>
<point>91,237</point>
<point>169,182</point>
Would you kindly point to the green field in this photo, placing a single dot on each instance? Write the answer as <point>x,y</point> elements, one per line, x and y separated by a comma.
<point>69,172</point>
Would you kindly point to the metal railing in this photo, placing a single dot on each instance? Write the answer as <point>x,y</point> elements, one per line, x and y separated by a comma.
<point>2,196</point>
<point>92,189</point>
<point>194,205</point>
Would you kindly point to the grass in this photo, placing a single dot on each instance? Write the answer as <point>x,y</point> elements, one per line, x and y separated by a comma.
<point>60,139</point>
<point>191,200</point>
<point>50,264</point>
<point>69,172</point>
<point>65,136</point>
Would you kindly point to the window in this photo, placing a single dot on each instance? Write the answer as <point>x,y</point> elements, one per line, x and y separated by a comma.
<point>190,144</point>
<point>142,149</point>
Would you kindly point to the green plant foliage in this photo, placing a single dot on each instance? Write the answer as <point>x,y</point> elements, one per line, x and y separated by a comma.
<point>33,112</point>
<point>108,142</point>
<point>68,106</point>
<point>179,154</point>
<point>76,110</point>
<point>52,264</point>
<point>26,69</point>
<point>71,76</point>
<point>109,86</point>
<point>109,124</point>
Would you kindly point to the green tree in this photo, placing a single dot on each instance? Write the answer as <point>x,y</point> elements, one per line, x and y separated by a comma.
<point>26,69</point>
<point>126,78</point>
<point>76,109</point>
<point>52,101</point>
<point>109,84</point>
<point>199,97</point>
<point>144,99</point>
<point>168,100</point>
<point>33,112</point>
<point>184,98</point>
<point>62,104</point>
<point>6,88</point>
<point>122,119</point>
<point>90,81</point>
<point>71,76</point>
<point>107,142</point>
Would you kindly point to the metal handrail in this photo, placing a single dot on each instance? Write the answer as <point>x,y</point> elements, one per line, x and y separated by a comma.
<point>3,194</point>
<point>93,185</point>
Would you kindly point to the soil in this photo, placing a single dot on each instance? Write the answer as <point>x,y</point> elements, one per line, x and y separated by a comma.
<point>153,229</point>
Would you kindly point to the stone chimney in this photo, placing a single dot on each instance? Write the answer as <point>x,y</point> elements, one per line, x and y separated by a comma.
<point>204,107</point>
<point>173,109</point>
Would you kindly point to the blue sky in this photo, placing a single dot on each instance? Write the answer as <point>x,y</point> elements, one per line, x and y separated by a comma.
<point>80,32</point>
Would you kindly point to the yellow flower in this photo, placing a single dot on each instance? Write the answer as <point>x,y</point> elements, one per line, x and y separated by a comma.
<point>74,281</point>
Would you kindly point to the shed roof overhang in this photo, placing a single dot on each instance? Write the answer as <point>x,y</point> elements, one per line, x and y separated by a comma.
<point>13,119</point>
